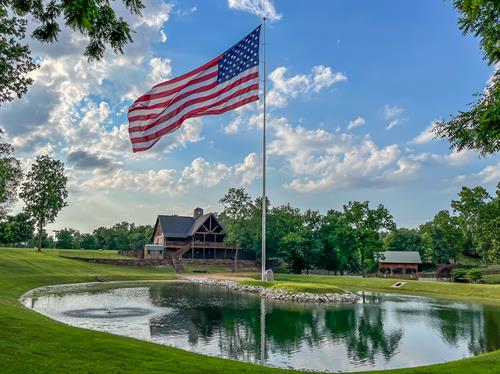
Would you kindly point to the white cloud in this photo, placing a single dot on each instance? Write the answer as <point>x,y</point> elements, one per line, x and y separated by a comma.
<point>391,112</point>
<point>359,121</point>
<point>283,87</point>
<point>490,174</point>
<point>322,161</point>
<point>249,170</point>
<point>261,8</point>
<point>455,158</point>
<point>425,136</point>
<point>393,115</point>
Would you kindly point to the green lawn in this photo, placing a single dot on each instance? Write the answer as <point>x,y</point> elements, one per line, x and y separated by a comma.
<point>32,343</point>
<point>484,292</point>
<point>296,287</point>
<point>87,253</point>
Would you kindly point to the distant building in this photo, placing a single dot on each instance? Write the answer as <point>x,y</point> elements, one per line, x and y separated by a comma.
<point>399,262</point>
<point>198,237</point>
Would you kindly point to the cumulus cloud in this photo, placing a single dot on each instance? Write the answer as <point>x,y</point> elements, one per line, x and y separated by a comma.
<point>321,160</point>
<point>359,121</point>
<point>87,161</point>
<point>425,136</point>
<point>261,8</point>
<point>455,158</point>
<point>490,174</point>
<point>284,87</point>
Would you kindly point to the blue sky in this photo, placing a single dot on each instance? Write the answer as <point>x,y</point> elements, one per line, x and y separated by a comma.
<point>354,88</point>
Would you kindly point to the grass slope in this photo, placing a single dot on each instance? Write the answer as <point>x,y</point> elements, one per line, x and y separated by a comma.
<point>295,287</point>
<point>32,343</point>
<point>484,292</point>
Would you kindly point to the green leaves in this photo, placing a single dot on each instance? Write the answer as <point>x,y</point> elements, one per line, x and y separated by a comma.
<point>479,127</point>
<point>10,177</point>
<point>44,191</point>
<point>95,19</point>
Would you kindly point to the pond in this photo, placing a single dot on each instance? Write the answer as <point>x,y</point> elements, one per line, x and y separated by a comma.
<point>381,331</point>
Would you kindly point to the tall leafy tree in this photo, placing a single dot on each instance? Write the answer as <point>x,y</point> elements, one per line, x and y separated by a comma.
<point>44,192</point>
<point>443,236</point>
<point>291,248</point>
<point>404,240</point>
<point>469,206</point>
<point>479,127</point>
<point>10,177</point>
<point>95,19</point>
<point>16,230</point>
<point>67,239</point>
<point>367,225</point>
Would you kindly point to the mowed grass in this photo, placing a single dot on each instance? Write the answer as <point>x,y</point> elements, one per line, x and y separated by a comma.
<point>296,287</point>
<point>481,292</point>
<point>32,343</point>
<point>87,253</point>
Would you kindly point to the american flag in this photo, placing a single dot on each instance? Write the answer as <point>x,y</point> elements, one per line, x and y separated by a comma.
<point>227,82</point>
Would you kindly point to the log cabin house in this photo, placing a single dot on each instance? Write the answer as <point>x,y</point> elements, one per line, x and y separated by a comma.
<point>198,237</point>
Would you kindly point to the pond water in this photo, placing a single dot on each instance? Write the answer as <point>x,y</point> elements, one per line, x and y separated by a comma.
<point>381,331</point>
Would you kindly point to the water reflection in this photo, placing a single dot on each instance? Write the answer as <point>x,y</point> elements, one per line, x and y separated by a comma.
<point>379,332</point>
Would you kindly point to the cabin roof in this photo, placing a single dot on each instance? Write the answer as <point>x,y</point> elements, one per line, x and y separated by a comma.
<point>182,226</point>
<point>400,257</point>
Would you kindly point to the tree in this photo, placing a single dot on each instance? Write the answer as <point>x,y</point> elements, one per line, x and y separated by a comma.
<point>404,240</point>
<point>95,19</point>
<point>469,207</point>
<point>367,225</point>
<point>479,219</point>
<point>443,236</point>
<point>312,221</point>
<point>66,239</point>
<point>88,241</point>
<point>15,59</point>
<point>237,217</point>
<point>291,249</point>
<point>44,192</point>
<point>16,229</point>
<point>478,128</point>
<point>10,176</point>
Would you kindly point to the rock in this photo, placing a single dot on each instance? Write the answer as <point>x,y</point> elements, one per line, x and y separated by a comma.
<point>269,275</point>
<point>276,293</point>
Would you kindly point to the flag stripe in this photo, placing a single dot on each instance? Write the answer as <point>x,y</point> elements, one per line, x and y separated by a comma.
<point>183,115</point>
<point>199,87</point>
<point>143,146</point>
<point>145,122</point>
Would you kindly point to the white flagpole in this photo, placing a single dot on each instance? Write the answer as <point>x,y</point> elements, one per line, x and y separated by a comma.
<point>263,249</point>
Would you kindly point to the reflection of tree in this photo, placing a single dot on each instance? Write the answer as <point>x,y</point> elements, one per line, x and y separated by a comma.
<point>361,329</point>
<point>289,325</point>
<point>232,320</point>
<point>477,324</point>
<point>206,312</point>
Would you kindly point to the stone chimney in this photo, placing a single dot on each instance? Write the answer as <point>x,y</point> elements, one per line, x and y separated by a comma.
<point>198,212</point>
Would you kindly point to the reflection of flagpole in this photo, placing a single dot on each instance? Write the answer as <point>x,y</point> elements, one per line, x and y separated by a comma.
<point>262,331</point>
<point>263,249</point>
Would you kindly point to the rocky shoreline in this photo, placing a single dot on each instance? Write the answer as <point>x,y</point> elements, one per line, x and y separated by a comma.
<point>279,294</point>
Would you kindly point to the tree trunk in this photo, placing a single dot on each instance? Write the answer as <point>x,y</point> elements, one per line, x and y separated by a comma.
<point>235,263</point>
<point>40,235</point>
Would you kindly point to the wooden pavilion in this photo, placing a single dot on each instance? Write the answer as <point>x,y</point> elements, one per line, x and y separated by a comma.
<point>399,262</point>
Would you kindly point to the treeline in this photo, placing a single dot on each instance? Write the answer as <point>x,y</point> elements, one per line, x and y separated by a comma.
<point>18,231</point>
<point>350,240</point>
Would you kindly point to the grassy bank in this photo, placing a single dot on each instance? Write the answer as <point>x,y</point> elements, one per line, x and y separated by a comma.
<point>482,292</point>
<point>296,287</point>
<point>32,343</point>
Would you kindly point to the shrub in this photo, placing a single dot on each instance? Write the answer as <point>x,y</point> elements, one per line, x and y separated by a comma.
<point>475,275</point>
<point>458,274</point>
<point>444,270</point>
